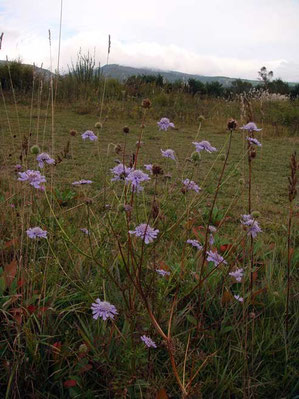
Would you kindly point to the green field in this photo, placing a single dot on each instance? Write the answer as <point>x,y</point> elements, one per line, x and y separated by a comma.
<point>209,345</point>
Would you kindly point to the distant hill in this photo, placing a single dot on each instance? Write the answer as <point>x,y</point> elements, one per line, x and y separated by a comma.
<point>43,71</point>
<point>121,72</point>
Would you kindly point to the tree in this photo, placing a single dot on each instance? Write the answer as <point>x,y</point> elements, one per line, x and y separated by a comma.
<point>278,86</point>
<point>196,86</point>
<point>239,86</point>
<point>265,76</point>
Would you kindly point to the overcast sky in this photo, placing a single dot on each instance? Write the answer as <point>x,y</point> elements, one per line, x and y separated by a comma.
<point>232,38</point>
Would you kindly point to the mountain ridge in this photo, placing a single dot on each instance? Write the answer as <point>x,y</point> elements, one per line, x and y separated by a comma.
<point>122,72</point>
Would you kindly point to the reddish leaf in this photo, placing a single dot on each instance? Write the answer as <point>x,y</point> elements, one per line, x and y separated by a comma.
<point>161,394</point>
<point>10,243</point>
<point>69,383</point>
<point>17,313</point>
<point>20,283</point>
<point>85,368</point>
<point>256,293</point>
<point>10,272</point>
<point>31,309</point>
<point>226,297</point>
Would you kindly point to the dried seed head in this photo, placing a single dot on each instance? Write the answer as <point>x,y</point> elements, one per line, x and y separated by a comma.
<point>126,130</point>
<point>222,157</point>
<point>241,181</point>
<point>157,170</point>
<point>118,149</point>
<point>232,124</point>
<point>201,118</point>
<point>146,103</point>
<point>98,125</point>
<point>88,201</point>
<point>293,178</point>
<point>73,132</point>
<point>252,153</point>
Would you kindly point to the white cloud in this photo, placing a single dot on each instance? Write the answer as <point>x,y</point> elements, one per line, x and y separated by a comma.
<point>231,38</point>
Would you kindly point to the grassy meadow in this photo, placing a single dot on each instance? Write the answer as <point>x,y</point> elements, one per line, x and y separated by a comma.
<point>208,343</point>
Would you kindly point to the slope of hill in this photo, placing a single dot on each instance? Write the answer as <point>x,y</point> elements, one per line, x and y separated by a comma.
<point>121,72</point>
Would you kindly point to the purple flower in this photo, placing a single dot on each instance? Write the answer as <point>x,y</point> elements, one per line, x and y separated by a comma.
<point>136,177</point>
<point>148,341</point>
<point>84,230</point>
<point>168,154</point>
<point>44,158</point>
<point>18,167</point>
<point>120,172</point>
<point>195,244</point>
<point>144,231</point>
<point>237,274</point>
<point>211,239</point>
<point>253,225</point>
<point>251,127</point>
<point>215,258</point>
<point>253,141</point>
<point>89,135</point>
<point>163,272</point>
<point>254,229</point>
<point>239,298</point>
<point>81,182</point>
<point>103,309</point>
<point>191,185</point>
<point>204,145</point>
<point>247,220</point>
<point>164,124</point>
<point>36,232</point>
<point>212,229</point>
<point>149,167</point>
<point>33,177</point>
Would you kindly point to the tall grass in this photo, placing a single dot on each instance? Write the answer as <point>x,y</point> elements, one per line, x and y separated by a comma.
<point>209,342</point>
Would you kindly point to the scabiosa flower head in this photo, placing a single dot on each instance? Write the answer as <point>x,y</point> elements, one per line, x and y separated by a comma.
<point>211,239</point>
<point>36,232</point>
<point>239,298</point>
<point>103,310</point>
<point>204,145</point>
<point>163,272</point>
<point>215,258</point>
<point>44,158</point>
<point>33,177</point>
<point>237,274</point>
<point>251,127</point>
<point>165,124</point>
<point>89,135</point>
<point>253,141</point>
<point>168,154</point>
<point>149,167</point>
<point>254,228</point>
<point>84,230</point>
<point>120,172</point>
<point>191,185</point>
<point>246,220</point>
<point>195,244</point>
<point>144,231</point>
<point>136,177</point>
<point>148,341</point>
<point>212,229</point>
<point>18,167</point>
<point>81,182</point>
